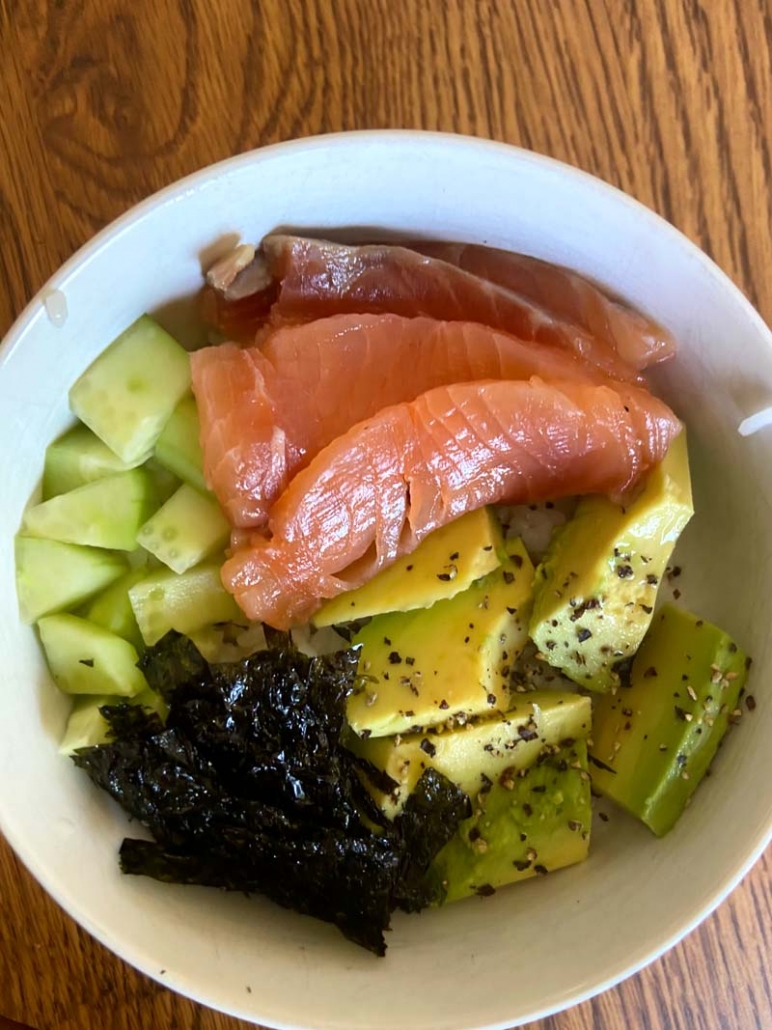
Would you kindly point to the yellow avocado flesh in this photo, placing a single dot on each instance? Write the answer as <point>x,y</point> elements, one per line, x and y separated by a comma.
<point>422,666</point>
<point>445,563</point>
<point>477,751</point>
<point>595,591</point>
<point>656,738</point>
<point>521,827</point>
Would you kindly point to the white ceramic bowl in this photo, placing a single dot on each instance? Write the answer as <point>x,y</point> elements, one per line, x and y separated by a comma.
<point>539,946</point>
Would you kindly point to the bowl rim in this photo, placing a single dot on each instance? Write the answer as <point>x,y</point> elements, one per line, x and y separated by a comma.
<point>193,182</point>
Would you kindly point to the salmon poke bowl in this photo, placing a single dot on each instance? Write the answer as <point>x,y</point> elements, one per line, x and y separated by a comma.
<point>386,564</point>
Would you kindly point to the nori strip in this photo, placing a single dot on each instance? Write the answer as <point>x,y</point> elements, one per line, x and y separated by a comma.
<point>248,787</point>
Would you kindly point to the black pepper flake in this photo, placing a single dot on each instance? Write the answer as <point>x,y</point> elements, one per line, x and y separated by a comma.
<point>444,576</point>
<point>428,748</point>
<point>485,890</point>
<point>601,765</point>
<point>603,816</point>
<point>488,547</point>
<point>444,705</point>
<point>474,834</point>
<point>651,671</point>
<point>523,838</point>
<point>583,634</point>
<point>647,608</point>
<point>517,561</point>
<point>395,658</point>
<point>385,675</point>
<point>409,661</point>
<point>732,648</point>
<point>652,580</point>
<point>699,623</point>
<point>454,556</point>
<point>521,865</point>
<point>627,712</point>
<point>512,611</point>
<point>748,663</point>
<point>365,734</point>
<point>527,810</point>
<point>750,703</point>
<point>491,699</point>
<point>676,594</point>
<point>680,713</point>
<point>525,734</point>
<point>509,577</point>
<point>88,662</point>
<point>539,789</point>
<point>409,568</point>
<point>624,571</point>
<point>675,572</point>
<point>409,713</point>
<point>574,825</point>
<point>540,869</point>
<point>387,642</point>
<point>466,640</point>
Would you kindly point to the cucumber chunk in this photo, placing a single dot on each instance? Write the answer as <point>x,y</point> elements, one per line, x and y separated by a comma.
<point>127,395</point>
<point>76,458</point>
<point>86,659</point>
<point>179,445</point>
<point>112,608</point>
<point>105,513</point>
<point>187,529</point>
<point>187,602</point>
<point>87,727</point>
<point>51,575</point>
<point>164,482</point>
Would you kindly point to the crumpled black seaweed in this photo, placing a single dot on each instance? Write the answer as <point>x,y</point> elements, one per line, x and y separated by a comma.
<point>248,787</point>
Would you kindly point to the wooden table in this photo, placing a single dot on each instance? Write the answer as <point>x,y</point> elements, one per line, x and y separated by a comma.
<point>101,105</point>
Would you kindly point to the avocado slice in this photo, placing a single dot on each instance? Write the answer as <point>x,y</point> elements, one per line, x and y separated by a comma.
<point>596,588</point>
<point>522,826</point>
<point>454,659</point>
<point>654,740</point>
<point>446,562</point>
<point>479,752</point>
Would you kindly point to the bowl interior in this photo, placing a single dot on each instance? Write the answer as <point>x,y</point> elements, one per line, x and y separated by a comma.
<point>484,962</point>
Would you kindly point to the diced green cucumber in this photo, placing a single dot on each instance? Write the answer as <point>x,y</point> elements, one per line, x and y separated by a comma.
<point>105,513</point>
<point>188,602</point>
<point>86,659</point>
<point>179,445</point>
<point>127,395</point>
<point>51,576</point>
<point>76,458</point>
<point>164,481</point>
<point>87,727</point>
<point>112,608</point>
<point>187,529</point>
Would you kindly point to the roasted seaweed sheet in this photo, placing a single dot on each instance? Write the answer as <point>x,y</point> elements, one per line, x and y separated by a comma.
<point>248,787</point>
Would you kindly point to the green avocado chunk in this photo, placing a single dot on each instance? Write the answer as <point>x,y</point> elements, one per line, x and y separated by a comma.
<point>479,752</point>
<point>455,658</point>
<point>522,826</point>
<point>446,562</point>
<point>595,591</point>
<point>654,740</point>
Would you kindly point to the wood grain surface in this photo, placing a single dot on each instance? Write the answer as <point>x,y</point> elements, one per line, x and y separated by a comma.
<point>104,101</point>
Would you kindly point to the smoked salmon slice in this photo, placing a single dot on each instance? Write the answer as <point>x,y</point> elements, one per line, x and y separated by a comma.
<point>376,491</point>
<point>266,412</point>
<point>638,340</point>
<point>523,296</point>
